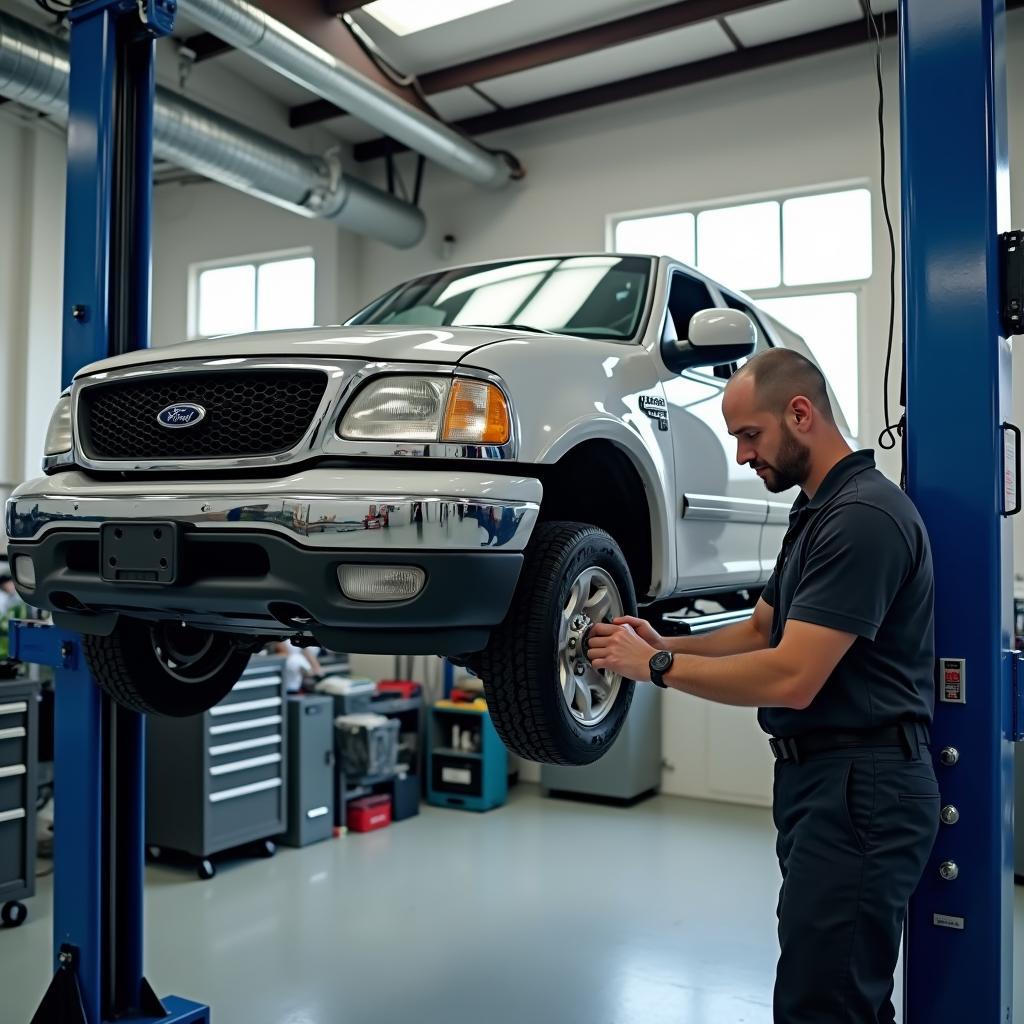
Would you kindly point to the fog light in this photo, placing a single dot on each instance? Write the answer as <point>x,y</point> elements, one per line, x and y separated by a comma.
<point>25,572</point>
<point>380,582</point>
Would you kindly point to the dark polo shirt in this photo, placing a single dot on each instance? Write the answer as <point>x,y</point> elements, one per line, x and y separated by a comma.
<point>856,558</point>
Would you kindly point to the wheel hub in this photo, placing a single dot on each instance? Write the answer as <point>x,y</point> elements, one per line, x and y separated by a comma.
<point>589,693</point>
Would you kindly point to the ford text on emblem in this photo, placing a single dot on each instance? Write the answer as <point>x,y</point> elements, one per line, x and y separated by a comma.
<point>183,415</point>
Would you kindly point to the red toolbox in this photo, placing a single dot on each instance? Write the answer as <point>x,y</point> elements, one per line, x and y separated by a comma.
<point>402,689</point>
<point>369,813</point>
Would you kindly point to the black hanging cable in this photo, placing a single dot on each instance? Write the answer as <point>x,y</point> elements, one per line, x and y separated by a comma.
<point>370,48</point>
<point>892,433</point>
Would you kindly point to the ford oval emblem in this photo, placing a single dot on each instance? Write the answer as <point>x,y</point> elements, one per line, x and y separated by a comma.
<point>184,414</point>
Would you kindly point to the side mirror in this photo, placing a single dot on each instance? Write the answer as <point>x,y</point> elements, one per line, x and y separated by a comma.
<point>716,337</point>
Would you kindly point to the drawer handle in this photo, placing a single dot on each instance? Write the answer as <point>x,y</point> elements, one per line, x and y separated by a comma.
<point>12,734</point>
<point>257,684</point>
<point>20,707</point>
<point>12,770</point>
<point>14,815</point>
<point>252,723</point>
<point>234,748</point>
<point>253,787</point>
<point>245,705</point>
<point>241,766</point>
<point>317,812</point>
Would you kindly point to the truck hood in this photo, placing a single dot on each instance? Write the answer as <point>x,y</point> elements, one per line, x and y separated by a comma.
<point>371,344</point>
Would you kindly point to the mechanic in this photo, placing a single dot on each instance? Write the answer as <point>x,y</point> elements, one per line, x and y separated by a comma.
<point>301,666</point>
<point>839,657</point>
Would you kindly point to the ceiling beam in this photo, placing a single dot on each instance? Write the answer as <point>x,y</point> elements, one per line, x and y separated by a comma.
<point>588,40</point>
<point>550,51</point>
<point>313,112</point>
<point>810,44</point>
<point>206,45</point>
<point>336,7</point>
<point>309,19</point>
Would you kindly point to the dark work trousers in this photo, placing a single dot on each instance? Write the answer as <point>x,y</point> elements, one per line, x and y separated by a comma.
<point>856,828</point>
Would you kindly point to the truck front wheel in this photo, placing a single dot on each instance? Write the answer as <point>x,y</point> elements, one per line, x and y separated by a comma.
<point>547,702</point>
<point>165,668</point>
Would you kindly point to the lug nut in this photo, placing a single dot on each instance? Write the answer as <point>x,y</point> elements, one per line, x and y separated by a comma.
<point>949,870</point>
<point>572,643</point>
<point>950,755</point>
<point>949,815</point>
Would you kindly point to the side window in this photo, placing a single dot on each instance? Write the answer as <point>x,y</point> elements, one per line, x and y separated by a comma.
<point>686,296</point>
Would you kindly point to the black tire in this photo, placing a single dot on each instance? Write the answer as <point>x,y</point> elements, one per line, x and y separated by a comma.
<point>134,665</point>
<point>267,848</point>
<point>13,914</point>
<point>205,870</point>
<point>519,667</point>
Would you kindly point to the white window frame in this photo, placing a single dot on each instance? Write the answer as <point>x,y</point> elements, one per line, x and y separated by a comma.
<point>258,260</point>
<point>858,286</point>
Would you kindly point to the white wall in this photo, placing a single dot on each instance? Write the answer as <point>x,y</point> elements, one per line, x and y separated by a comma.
<point>32,161</point>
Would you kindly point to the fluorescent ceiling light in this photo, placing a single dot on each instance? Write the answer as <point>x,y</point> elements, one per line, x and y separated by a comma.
<point>403,17</point>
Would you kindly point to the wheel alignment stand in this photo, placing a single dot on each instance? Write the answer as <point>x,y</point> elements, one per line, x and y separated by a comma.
<point>963,474</point>
<point>99,834</point>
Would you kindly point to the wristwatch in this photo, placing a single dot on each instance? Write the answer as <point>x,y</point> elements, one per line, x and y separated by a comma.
<point>659,665</point>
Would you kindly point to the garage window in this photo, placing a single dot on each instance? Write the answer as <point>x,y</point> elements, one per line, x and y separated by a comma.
<point>802,258</point>
<point>263,294</point>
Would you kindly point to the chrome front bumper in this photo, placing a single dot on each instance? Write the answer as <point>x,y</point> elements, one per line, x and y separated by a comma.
<point>334,509</point>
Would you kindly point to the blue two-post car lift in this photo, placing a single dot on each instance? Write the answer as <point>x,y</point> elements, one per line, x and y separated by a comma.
<point>960,466</point>
<point>99,746</point>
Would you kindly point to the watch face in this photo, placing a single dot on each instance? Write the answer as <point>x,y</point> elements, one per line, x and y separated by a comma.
<point>661,661</point>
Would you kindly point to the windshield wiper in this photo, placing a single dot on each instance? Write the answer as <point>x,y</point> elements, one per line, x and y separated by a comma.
<point>513,327</point>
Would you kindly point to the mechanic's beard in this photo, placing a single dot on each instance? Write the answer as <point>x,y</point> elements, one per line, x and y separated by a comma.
<point>792,465</point>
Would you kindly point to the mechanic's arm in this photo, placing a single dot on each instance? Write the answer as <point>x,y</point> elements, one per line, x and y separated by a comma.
<point>789,675</point>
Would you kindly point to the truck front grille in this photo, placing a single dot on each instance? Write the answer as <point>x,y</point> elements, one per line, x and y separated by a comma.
<point>248,413</point>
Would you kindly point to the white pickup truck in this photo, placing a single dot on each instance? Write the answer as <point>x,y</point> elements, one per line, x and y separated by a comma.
<point>480,464</point>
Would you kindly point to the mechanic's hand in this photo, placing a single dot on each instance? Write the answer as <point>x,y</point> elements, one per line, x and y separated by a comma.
<point>644,630</point>
<point>619,649</point>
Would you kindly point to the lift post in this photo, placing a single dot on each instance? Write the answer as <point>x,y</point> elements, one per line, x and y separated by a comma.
<point>99,770</point>
<point>962,475</point>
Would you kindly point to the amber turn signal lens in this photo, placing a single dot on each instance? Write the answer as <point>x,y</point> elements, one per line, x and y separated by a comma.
<point>477,413</point>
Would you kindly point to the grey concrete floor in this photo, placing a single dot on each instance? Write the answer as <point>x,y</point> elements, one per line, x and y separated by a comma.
<point>546,911</point>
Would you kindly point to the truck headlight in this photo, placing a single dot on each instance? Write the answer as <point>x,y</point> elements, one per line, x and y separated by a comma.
<point>460,411</point>
<point>397,409</point>
<point>59,439</point>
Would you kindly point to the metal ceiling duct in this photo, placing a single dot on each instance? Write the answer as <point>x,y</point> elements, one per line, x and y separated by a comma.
<point>246,27</point>
<point>35,70</point>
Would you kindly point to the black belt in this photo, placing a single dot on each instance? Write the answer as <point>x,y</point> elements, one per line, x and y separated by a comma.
<point>911,736</point>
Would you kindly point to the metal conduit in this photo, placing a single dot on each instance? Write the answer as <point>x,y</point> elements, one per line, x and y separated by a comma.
<point>246,27</point>
<point>35,71</point>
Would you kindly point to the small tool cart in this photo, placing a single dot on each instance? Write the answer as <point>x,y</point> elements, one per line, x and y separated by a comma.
<point>468,765</point>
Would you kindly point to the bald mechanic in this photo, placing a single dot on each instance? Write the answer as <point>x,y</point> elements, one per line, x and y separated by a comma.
<point>839,658</point>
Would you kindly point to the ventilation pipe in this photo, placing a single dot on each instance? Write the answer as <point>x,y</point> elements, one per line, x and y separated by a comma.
<point>246,27</point>
<point>35,71</point>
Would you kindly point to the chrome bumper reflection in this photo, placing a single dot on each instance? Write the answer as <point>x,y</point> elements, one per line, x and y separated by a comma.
<point>348,522</point>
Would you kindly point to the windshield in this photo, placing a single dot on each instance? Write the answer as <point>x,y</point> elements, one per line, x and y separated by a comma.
<point>589,296</point>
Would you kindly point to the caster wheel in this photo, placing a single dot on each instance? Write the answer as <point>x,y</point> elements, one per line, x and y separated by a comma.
<point>13,914</point>
<point>205,870</point>
<point>267,848</point>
